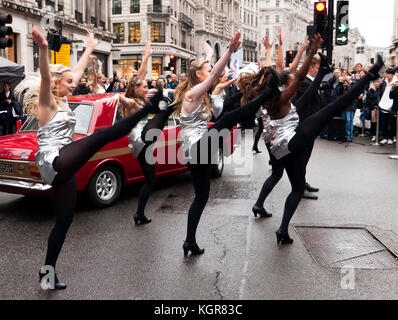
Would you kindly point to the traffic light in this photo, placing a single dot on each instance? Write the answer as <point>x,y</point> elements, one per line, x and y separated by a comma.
<point>290,55</point>
<point>342,25</point>
<point>172,64</point>
<point>5,30</point>
<point>321,19</point>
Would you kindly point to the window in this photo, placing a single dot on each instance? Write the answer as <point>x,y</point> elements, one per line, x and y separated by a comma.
<point>134,32</point>
<point>157,5</point>
<point>157,67</point>
<point>116,6</point>
<point>360,50</point>
<point>135,6</point>
<point>277,18</point>
<point>118,30</point>
<point>267,19</point>
<point>277,3</point>
<point>158,32</point>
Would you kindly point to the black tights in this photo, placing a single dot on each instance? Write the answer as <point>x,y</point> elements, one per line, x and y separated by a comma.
<point>71,158</point>
<point>201,173</point>
<point>259,133</point>
<point>300,147</point>
<point>148,169</point>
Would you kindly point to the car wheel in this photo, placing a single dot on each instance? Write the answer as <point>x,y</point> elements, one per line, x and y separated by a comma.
<point>104,186</point>
<point>217,169</point>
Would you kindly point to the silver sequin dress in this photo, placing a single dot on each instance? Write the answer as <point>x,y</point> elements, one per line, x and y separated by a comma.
<point>136,144</point>
<point>279,132</point>
<point>193,127</point>
<point>52,137</point>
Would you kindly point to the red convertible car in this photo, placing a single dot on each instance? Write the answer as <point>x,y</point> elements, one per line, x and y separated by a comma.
<point>108,170</point>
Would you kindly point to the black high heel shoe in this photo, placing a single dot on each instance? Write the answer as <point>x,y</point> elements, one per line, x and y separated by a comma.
<point>141,220</point>
<point>256,150</point>
<point>261,212</point>
<point>57,285</point>
<point>193,247</point>
<point>283,238</point>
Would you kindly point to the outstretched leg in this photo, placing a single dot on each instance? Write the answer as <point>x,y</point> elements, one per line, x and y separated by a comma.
<point>74,155</point>
<point>309,129</point>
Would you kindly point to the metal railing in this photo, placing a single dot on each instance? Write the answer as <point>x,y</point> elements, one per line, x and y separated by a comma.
<point>151,9</point>
<point>185,19</point>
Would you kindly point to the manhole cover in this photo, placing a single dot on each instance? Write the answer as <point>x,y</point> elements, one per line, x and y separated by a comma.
<point>342,247</point>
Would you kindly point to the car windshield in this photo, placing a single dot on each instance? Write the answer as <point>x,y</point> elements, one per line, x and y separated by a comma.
<point>83,113</point>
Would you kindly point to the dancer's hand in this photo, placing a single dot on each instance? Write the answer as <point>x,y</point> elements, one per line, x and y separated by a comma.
<point>114,101</point>
<point>305,44</point>
<point>374,72</point>
<point>147,50</point>
<point>39,40</point>
<point>325,63</point>
<point>91,41</point>
<point>281,37</point>
<point>234,43</point>
<point>316,43</point>
<point>267,44</point>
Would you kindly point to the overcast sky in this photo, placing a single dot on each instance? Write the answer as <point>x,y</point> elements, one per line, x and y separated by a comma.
<point>374,19</point>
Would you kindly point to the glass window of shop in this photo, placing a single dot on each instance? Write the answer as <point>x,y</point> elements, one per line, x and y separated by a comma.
<point>134,32</point>
<point>158,32</point>
<point>128,65</point>
<point>157,67</point>
<point>118,30</point>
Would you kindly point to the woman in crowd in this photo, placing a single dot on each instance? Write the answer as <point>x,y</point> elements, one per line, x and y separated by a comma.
<point>59,157</point>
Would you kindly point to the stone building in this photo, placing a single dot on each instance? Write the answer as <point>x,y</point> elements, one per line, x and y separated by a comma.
<point>249,18</point>
<point>393,49</point>
<point>168,25</point>
<point>76,17</point>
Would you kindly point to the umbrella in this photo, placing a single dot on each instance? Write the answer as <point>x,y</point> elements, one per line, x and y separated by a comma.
<point>10,72</point>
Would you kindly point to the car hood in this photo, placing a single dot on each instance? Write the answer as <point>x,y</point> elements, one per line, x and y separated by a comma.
<point>19,146</point>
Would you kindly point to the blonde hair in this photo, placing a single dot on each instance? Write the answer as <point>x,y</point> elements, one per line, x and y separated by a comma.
<point>192,80</point>
<point>28,90</point>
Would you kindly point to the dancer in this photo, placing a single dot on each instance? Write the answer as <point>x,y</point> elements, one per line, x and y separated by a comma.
<point>194,110</point>
<point>59,157</point>
<point>288,140</point>
<point>135,99</point>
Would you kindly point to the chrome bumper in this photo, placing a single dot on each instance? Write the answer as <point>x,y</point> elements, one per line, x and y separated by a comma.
<point>25,185</point>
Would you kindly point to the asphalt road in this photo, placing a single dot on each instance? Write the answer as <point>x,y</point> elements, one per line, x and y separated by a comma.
<point>106,257</point>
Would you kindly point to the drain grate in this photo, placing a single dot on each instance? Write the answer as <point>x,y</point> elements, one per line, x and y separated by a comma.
<point>341,247</point>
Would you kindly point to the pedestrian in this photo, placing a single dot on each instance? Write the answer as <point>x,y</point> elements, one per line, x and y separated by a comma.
<point>59,156</point>
<point>371,105</point>
<point>387,119</point>
<point>10,110</point>
<point>306,110</point>
<point>82,88</point>
<point>173,84</point>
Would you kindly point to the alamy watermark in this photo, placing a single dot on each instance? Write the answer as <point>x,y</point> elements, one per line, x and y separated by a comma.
<point>348,277</point>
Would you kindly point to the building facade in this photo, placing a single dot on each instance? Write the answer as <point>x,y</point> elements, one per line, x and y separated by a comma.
<point>168,25</point>
<point>75,16</point>
<point>215,23</point>
<point>292,16</point>
<point>357,51</point>
<point>393,49</point>
<point>249,17</point>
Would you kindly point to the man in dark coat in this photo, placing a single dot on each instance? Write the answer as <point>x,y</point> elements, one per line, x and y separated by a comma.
<point>82,88</point>
<point>307,110</point>
<point>10,110</point>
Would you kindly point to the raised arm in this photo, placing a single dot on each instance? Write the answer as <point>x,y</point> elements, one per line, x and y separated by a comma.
<point>199,90</point>
<point>268,50</point>
<point>296,61</point>
<point>144,66</point>
<point>280,65</point>
<point>78,70</point>
<point>221,86</point>
<point>300,74</point>
<point>46,98</point>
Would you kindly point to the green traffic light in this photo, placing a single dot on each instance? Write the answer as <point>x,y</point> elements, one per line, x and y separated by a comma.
<point>343,28</point>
